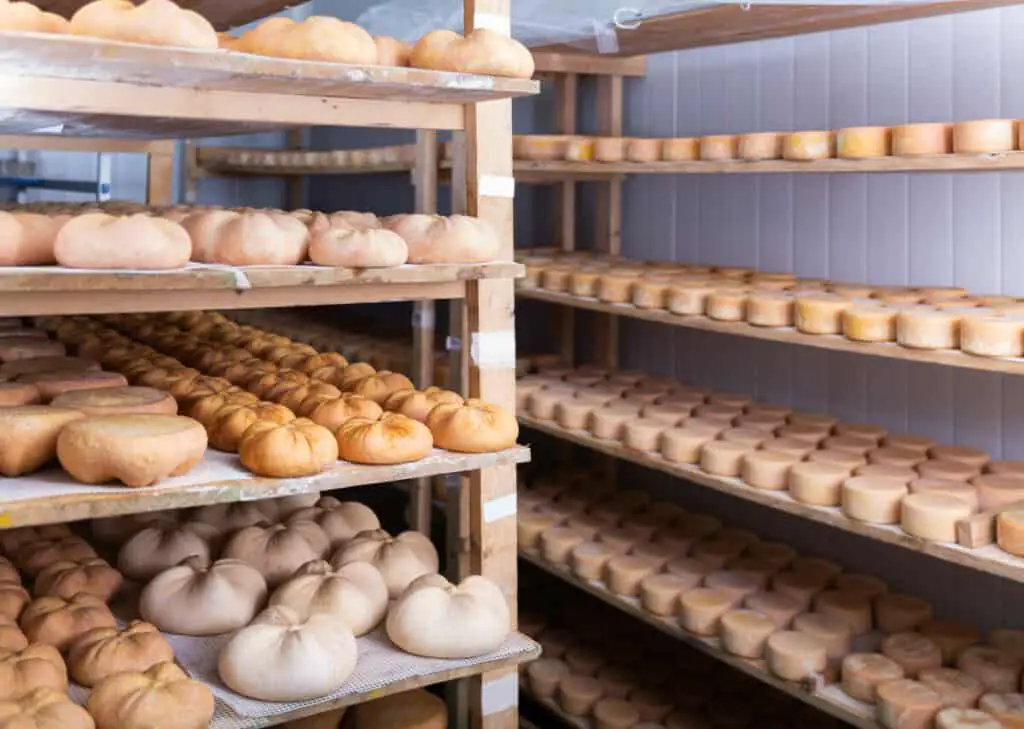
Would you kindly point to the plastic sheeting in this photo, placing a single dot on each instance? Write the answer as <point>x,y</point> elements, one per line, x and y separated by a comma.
<point>539,22</point>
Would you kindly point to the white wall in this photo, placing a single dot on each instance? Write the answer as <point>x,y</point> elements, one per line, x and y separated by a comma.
<point>965,229</point>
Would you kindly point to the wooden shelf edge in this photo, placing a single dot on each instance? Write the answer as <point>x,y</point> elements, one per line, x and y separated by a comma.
<point>833,342</point>
<point>829,700</point>
<point>90,503</point>
<point>989,559</point>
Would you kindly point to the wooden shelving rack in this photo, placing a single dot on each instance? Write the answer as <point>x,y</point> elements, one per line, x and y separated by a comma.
<point>138,97</point>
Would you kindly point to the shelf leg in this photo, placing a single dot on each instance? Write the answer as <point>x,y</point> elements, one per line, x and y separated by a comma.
<point>160,175</point>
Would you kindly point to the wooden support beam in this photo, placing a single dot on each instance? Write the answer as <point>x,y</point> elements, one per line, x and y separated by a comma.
<point>160,175</point>
<point>589,64</point>
<point>296,185</point>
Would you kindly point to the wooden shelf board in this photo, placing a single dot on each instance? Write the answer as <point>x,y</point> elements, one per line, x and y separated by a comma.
<point>727,23</point>
<point>102,88</point>
<point>834,342</point>
<point>929,163</point>
<point>51,497</point>
<point>827,698</point>
<point>989,559</point>
<point>223,14</point>
<point>51,290</point>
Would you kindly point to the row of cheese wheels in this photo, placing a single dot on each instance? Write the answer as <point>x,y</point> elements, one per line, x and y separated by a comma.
<point>985,136</point>
<point>602,665</point>
<point>874,476</point>
<point>370,157</point>
<point>802,615</point>
<point>273,572</point>
<point>317,38</point>
<point>171,238</point>
<point>927,317</point>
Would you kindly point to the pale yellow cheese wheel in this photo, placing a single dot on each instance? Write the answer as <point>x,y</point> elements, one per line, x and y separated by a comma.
<point>820,313</point>
<point>544,675</point>
<point>573,413</point>
<point>878,470</point>
<point>795,656</point>
<point>1007,708</point>
<point>745,632</point>
<point>690,568</point>
<point>992,336</point>
<point>800,449</point>
<point>556,543</point>
<point>912,140</point>
<point>852,444</point>
<point>618,540</point>
<point>927,328</point>
<point>848,461</point>
<point>642,434</point>
<point>1010,532</point>
<point>701,610</point>
<point>718,147</point>
<point>777,606</point>
<point>650,294</point>
<point>669,415</point>
<point>689,299</point>
<point>775,553</point>
<point>899,457</point>
<point>955,687</point>
<point>907,704</point>
<point>530,525</point>
<point>863,323</point>
<point>984,136</point>
<point>910,442</point>
<point>899,613</point>
<point>768,470</point>
<point>578,694</point>
<point>659,593</point>
<point>914,653</point>
<point>800,586</point>
<point>873,500</point>
<point>853,608</point>
<point>735,584</point>
<point>817,420</point>
<point>947,470</point>
<point>589,559</point>
<point>808,145</point>
<point>995,491</point>
<point>809,432</point>
<point>680,149</point>
<point>863,673</point>
<point>723,457</point>
<point>861,430</point>
<point>769,309</point>
<point>543,403</point>
<point>966,718</point>
<point>623,574</point>
<point>684,444</point>
<point>585,660</point>
<point>751,438</point>
<point>608,423</point>
<point>965,454</point>
<point>862,142</point>
<point>759,146</point>
<point>817,483</point>
<point>932,517</point>
<point>716,551</point>
<point>766,423</point>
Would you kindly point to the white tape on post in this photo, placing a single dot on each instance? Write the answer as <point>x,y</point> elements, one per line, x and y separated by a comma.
<point>492,21</point>
<point>500,695</point>
<point>493,350</point>
<point>496,186</point>
<point>500,508</point>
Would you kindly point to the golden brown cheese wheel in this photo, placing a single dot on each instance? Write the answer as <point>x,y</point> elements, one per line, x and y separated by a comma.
<point>955,687</point>
<point>745,632</point>
<point>1007,708</point>
<point>998,670</point>
<point>702,608</point>
<point>795,656</point>
<point>118,401</point>
<point>30,434</point>
<point>851,607</point>
<point>863,673</point>
<point>898,613</point>
<point>907,704</point>
<point>913,652</point>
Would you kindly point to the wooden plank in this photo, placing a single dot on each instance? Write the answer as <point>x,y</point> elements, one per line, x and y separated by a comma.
<point>609,229</point>
<point>218,479</point>
<point>160,174</point>
<point>566,93</point>
<point>829,699</point>
<point>989,559</point>
<point>74,144</point>
<point>834,342</point>
<point>727,23</point>
<point>296,186</point>
<point>979,530</point>
<point>589,64</point>
<point>223,14</point>
<point>928,163</point>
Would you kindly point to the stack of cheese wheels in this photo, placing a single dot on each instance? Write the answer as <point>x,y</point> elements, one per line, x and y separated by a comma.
<point>803,616</point>
<point>873,476</point>
<point>923,317</point>
<point>599,665</point>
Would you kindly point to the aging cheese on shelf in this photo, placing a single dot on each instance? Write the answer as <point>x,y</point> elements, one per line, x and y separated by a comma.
<point>643,150</point>
<point>584,660</point>
<point>995,492</point>
<point>863,673</point>
<point>927,328</point>
<point>955,687</point>
<point>907,704</point>
<point>530,525</point>
<point>769,309</point>
<point>578,694</point>
<point>573,414</point>
<point>817,483</point>
<point>852,444</point>
<point>718,147</point>
<point>992,336</point>
<point>544,675</point>
<point>1010,532</point>
<point>997,670</point>
<point>737,585</point>
<point>789,446</point>
<point>680,149</point>
<point>642,434</point>
<point>608,423</point>
<point>898,457</point>
<point>914,653</point>
<point>701,610</point>
<point>951,636</point>
<point>615,288</point>
<point>800,586</point>
<point>779,607</point>
<point>820,313</point>
<point>861,430</point>
<point>965,454</point>
<point>933,516</point>
<point>862,142</point>
<point>947,470</point>
<point>726,305</point>
<point>684,444</point>
<point>609,149</point>
<point>795,656</point>
<point>833,632</point>
<point>649,294</point>
<point>745,632</point>
<point>659,593</point>
<point>615,714</point>
<point>984,136</point>
<point>877,470</point>
<point>965,718</point>
<point>853,608</point>
<point>808,145</point>
<point>1007,708</point>
<point>759,146</point>
<point>847,461</point>
<point>723,457</point>
<point>689,299</point>
<point>873,500</point>
<point>625,572</point>
<point>908,442</point>
<point>579,149</point>
<point>811,432</point>
<point>557,542</point>
<point>899,613</point>
<point>867,585</point>
<point>870,323</point>
<point>914,140</point>
<point>767,470</point>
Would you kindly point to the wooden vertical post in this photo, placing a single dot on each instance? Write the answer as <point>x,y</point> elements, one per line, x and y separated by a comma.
<point>425,186</point>
<point>609,206</point>
<point>566,88</point>
<point>296,183</point>
<point>160,174</point>
<point>490,354</point>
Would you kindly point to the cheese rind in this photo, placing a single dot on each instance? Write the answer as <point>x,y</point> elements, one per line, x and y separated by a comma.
<point>722,457</point>
<point>997,670</point>
<point>863,673</point>
<point>914,653</point>
<point>862,142</point>
<point>933,516</point>
<point>817,483</point>
<point>912,140</point>
<point>808,145</point>
<point>927,328</point>
<point>759,146</point>
<point>820,313</point>
<point>907,704</point>
<point>955,687</point>
<point>745,632</point>
<point>1007,708</point>
<point>718,147</point>
<point>767,470</point>
<point>833,631</point>
<point>870,324</point>
<point>995,492</point>
<point>795,656</point>
<point>965,718</point>
<point>873,500</point>
<point>1010,532</point>
<point>852,608</point>
<point>992,336</point>
<point>702,609</point>
<point>984,136</point>
<point>899,613</point>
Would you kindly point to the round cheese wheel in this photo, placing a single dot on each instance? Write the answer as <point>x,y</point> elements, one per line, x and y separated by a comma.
<point>623,574</point>
<point>649,294</point>
<point>873,500</point>
<point>615,714</point>
<point>997,670</point>
<point>955,687</point>
<point>759,146</point>
<point>995,492</point>
<point>556,543</point>
<point>800,586</point>
<point>992,336</point>
<point>878,470</point>
<point>833,631</point>
<point>870,323</point>
<point>862,142</point>
<point>899,457</point>
<point>726,306</point>
<point>842,459</point>
<point>1010,532</point>
<point>908,442</point>
<point>680,149</point>
<point>573,414</point>
<point>965,454</point>
<point>608,423</point>
<point>914,653</point>
<point>659,593</point>
<point>899,613</point>
<point>795,656</point>
<point>745,632</point>
<point>965,718</point>
<point>866,585</point>
<point>927,328</point>
<point>723,457</point>
<point>912,140</point>
<point>984,136</point>
<point>853,608</point>
<point>932,516</point>
<point>808,145</point>
<point>578,694</point>
<point>769,309</point>
<point>530,526</point>
<point>701,610</point>
<point>583,660</point>
<point>1005,468</point>
<point>543,677</point>
<point>964,492</point>
<point>609,149</point>
<point>863,673</point>
<point>951,636</point>
<point>947,470</point>
<point>689,299</point>
<point>767,470</point>
<point>735,584</point>
<point>907,704</point>
<point>813,482</point>
<point>779,607</point>
<point>820,313</point>
<point>642,434</point>
<point>1007,708</point>
<point>718,147</point>
<point>684,444</point>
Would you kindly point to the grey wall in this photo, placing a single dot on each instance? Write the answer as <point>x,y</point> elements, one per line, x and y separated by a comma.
<point>965,229</point>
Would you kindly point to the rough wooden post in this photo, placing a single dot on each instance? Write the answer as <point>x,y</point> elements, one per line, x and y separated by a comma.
<point>566,87</point>
<point>160,175</point>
